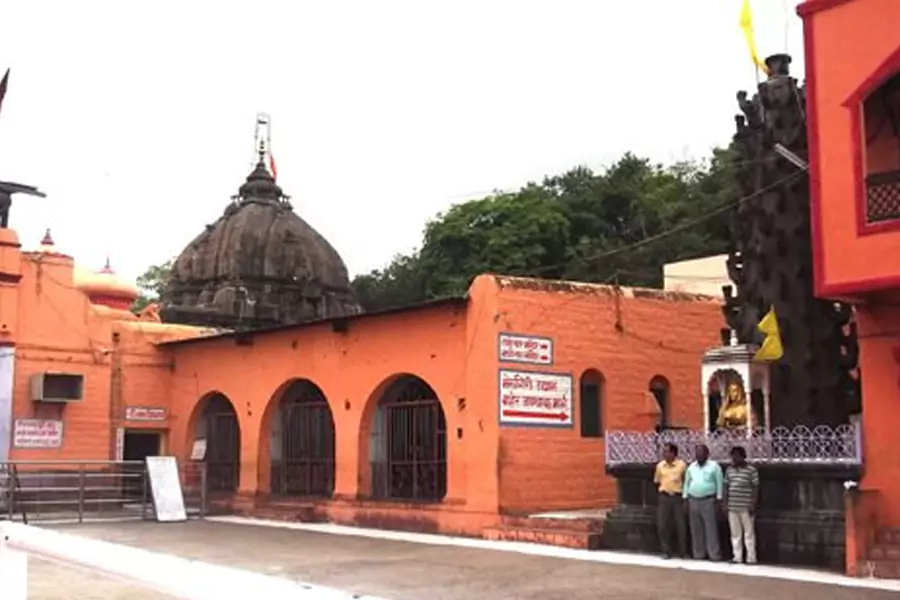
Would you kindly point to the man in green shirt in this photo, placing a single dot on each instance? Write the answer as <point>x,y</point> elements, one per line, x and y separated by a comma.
<point>703,489</point>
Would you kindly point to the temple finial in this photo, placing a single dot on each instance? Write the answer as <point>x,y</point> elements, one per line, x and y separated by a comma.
<point>263,135</point>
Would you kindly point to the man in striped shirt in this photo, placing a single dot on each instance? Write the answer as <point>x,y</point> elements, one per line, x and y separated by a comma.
<point>741,495</point>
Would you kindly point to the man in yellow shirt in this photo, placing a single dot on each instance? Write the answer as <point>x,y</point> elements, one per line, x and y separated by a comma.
<point>669,480</point>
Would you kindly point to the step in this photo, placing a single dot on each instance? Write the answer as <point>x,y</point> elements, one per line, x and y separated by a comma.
<point>888,536</point>
<point>579,540</point>
<point>882,569</point>
<point>290,513</point>
<point>885,552</point>
<point>554,523</point>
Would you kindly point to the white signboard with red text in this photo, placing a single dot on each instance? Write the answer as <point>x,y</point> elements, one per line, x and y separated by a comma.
<point>37,433</point>
<point>527,349</point>
<point>541,399</point>
<point>145,413</point>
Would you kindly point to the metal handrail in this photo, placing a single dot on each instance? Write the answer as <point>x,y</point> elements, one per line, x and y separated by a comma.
<point>73,462</point>
<point>79,489</point>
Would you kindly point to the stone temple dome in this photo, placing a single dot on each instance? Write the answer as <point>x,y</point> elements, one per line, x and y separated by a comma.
<point>259,265</point>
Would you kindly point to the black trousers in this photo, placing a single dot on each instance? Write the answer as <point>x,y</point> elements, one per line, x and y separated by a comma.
<point>671,522</point>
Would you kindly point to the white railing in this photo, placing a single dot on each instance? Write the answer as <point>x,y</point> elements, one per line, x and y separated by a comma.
<point>822,445</point>
<point>166,574</point>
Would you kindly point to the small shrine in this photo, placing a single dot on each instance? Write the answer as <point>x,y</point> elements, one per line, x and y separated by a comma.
<point>736,390</point>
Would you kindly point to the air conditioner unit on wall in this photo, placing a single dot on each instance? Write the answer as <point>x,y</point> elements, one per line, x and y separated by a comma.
<point>57,387</point>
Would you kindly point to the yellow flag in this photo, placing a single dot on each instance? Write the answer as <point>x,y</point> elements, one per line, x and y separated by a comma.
<point>771,349</point>
<point>747,25</point>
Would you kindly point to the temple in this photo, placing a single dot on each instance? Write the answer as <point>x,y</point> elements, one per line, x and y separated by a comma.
<point>259,265</point>
<point>524,409</point>
<point>466,414</point>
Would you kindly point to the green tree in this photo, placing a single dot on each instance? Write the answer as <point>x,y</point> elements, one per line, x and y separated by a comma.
<point>524,232</point>
<point>151,284</point>
<point>622,224</point>
<point>402,282</point>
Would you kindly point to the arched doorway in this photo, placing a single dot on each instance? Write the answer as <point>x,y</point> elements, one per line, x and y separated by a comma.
<point>408,443</point>
<point>218,426</point>
<point>302,442</point>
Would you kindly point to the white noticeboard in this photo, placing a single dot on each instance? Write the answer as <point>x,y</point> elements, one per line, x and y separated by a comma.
<point>537,399</point>
<point>529,349</point>
<point>165,485</point>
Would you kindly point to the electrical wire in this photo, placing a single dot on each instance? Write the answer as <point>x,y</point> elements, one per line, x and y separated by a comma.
<point>704,164</point>
<point>669,232</point>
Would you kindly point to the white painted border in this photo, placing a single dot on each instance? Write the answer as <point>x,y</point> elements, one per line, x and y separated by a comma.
<point>597,556</point>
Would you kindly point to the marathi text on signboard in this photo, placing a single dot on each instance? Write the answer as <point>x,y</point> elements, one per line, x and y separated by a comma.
<point>37,433</point>
<point>144,413</point>
<point>525,349</point>
<point>535,398</point>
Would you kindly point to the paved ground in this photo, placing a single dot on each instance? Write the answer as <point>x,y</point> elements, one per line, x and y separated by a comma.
<point>48,581</point>
<point>409,571</point>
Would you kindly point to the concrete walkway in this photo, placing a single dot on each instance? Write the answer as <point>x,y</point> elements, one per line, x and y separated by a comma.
<point>401,566</point>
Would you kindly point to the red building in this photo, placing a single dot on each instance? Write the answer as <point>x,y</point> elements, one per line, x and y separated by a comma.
<point>853,102</point>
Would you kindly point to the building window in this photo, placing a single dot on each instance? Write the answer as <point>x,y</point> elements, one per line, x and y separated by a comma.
<point>659,387</point>
<point>591,404</point>
<point>881,115</point>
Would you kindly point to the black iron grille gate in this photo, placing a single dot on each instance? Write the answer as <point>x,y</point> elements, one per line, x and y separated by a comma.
<point>410,441</point>
<point>223,449</point>
<point>306,465</point>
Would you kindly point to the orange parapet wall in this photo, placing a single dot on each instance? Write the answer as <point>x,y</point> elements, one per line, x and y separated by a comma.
<point>852,53</point>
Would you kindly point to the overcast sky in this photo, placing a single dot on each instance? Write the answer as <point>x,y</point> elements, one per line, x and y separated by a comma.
<point>138,124</point>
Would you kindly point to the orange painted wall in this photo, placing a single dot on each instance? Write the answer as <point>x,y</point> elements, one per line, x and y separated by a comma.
<point>846,43</point>
<point>454,350</point>
<point>54,327</point>
<point>56,332</point>
<point>879,331</point>
<point>352,369</point>
<point>662,334</point>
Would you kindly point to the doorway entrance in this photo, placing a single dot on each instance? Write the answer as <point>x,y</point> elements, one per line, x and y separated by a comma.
<point>139,445</point>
